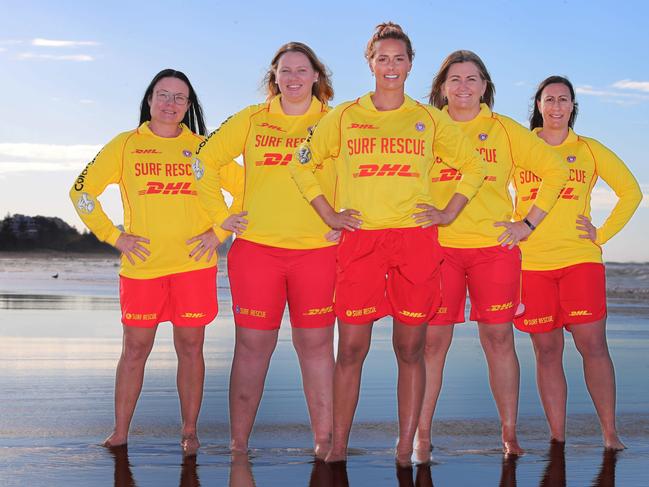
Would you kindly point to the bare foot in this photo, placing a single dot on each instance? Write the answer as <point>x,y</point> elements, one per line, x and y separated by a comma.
<point>115,440</point>
<point>190,445</point>
<point>403,456</point>
<point>512,448</point>
<point>614,443</point>
<point>238,448</point>
<point>320,450</point>
<point>336,456</point>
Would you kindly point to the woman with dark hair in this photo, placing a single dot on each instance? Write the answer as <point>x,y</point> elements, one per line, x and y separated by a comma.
<point>281,254</point>
<point>563,279</point>
<point>383,145</point>
<point>477,254</point>
<point>168,244</point>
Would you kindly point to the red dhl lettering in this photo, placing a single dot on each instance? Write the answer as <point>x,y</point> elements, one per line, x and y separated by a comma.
<point>580,312</point>
<point>500,307</point>
<point>401,170</point>
<point>412,314</point>
<point>156,187</point>
<point>193,315</point>
<point>360,312</point>
<point>271,126</point>
<point>367,126</point>
<point>146,151</point>
<point>568,194</point>
<point>532,196</point>
<point>490,178</point>
<point>274,159</point>
<point>319,311</point>
<point>447,174</point>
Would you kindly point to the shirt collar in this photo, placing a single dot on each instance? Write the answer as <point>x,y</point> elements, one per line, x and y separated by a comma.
<point>366,102</point>
<point>275,106</point>
<point>572,136</point>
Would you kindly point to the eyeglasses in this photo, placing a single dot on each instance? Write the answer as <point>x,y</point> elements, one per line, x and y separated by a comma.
<point>165,97</point>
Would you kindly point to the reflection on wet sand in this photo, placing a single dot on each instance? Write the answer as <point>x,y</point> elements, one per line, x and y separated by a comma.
<point>508,471</point>
<point>422,478</point>
<point>555,472</point>
<point>124,475</point>
<point>241,471</point>
<point>606,476</point>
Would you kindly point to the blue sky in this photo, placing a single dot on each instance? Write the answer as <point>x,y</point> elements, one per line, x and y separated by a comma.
<point>73,74</point>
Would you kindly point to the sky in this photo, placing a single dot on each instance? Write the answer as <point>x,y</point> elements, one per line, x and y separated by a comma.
<point>72,74</point>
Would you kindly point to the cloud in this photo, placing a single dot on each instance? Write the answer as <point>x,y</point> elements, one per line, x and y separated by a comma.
<point>58,43</point>
<point>54,57</point>
<point>86,101</point>
<point>10,42</point>
<point>627,84</point>
<point>22,157</point>
<point>3,49</point>
<point>613,95</point>
<point>604,198</point>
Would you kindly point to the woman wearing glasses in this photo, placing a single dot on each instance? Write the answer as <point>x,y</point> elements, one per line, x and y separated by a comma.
<point>563,279</point>
<point>282,255</point>
<point>168,245</point>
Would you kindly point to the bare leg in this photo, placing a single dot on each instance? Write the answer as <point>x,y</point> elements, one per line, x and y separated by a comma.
<point>314,347</point>
<point>353,345</point>
<point>438,341</point>
<point>190,376</point>
<point>136,347</point>
<point>408,342</point>
<point>551,380</point>
<point>504,378</point>
<point>599,373</point>
<point>252,352</point>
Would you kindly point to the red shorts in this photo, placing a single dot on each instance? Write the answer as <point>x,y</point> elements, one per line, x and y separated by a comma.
<point>388,272</point>
<point>568,296</point>
<point>264,278</point>
<point>492,276</point>
<point>185,299</point>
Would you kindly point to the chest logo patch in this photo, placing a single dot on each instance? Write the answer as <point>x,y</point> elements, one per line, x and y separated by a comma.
<point>420,127</point>
<point>482,136</point>
<point>187,153</point>
<point>571,158</point>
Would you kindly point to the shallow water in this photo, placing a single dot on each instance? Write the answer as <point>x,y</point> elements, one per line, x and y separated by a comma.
<point>60,340</point>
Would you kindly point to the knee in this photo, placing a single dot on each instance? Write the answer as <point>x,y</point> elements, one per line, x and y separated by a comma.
<point>190,348</point>
<point>548,356</point>
<point>350,355</point>
<point>135,351</point>
<point>409,353</point>
<point>593,349</point>
<point>500,343</point>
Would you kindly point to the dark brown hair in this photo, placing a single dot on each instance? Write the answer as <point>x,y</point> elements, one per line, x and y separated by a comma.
<point>388,30</point>
<point>437,98</point>
<point>322,89</point>
<point>536,119</point>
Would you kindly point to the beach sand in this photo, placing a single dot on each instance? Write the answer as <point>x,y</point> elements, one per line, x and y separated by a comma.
<point>60,340</point>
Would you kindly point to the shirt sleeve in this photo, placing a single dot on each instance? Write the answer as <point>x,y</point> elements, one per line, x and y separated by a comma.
<point>530,152</point>
<point>218,150</point>
<point>321,147</point>
<point>456,150</point>
<point>232,177</point>
<point>103,170</point>
<point>614,172</point>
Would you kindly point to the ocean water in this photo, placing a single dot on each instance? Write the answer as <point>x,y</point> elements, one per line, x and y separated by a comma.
<point>60,339</point>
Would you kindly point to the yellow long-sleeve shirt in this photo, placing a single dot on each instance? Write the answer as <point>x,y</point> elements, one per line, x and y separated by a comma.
<point>159,197</point>
<point>383,158</point>
<point>278,215</point>
<point>556,243</point>
<point>503,144</point>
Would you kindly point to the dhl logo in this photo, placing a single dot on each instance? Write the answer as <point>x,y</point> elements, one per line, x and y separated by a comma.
<point>442,310</point>
<point>360,312</point>
<point>412,314</point>
<point>367,126</point>
<point>271,126</point>
<point>580,312</point>
<point>146,151</point>
<point>567,194</point>
<point>532,196</point>
<point>368,170</point>
<point>193,315</point>
<point>500,307</point>
<point>490,178</point>
<point>155,187</point>
<point>447,175</point>
<point>319,311</point>
<point>274,159</point>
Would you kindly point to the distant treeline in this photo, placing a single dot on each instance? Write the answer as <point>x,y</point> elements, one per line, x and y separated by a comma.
<point>29,233</point>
